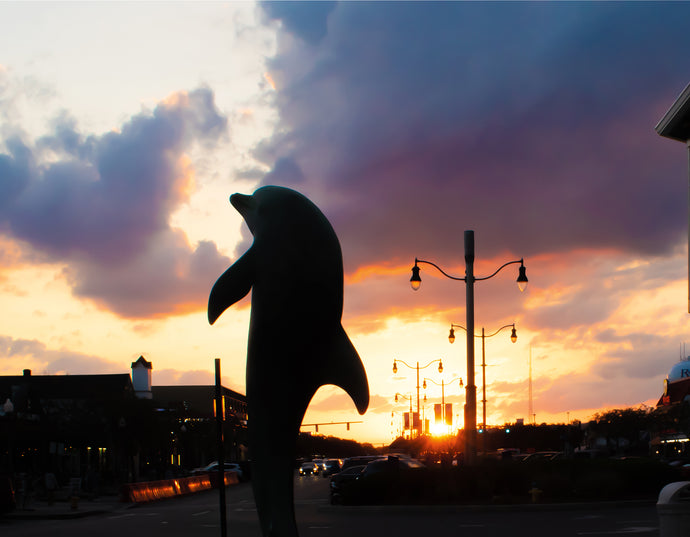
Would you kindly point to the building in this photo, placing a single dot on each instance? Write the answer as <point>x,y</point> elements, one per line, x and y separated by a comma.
<point>193,407</point>
<point>69,425</point>
<point>674,409</point>
<point>142,372</point>
<point>113,429</point>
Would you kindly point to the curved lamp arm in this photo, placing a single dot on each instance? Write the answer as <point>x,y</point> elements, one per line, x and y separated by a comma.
<point>409,398</point>
<point>444,384</point>
<point>513,335</point>
<point>504,265</point>
<point>416,280</point>
<point>396,360</point>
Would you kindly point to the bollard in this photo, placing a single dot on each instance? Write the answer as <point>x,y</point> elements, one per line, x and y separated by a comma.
<point>536,493</point>
<point>673,509</point>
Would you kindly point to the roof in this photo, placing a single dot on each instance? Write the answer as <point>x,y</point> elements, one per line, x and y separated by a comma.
<point>675,392</point>
<point>679,371</point>
<point>142,362</point>
<point>90,387</point>
<point>676,122</point>
<point>196,400</point>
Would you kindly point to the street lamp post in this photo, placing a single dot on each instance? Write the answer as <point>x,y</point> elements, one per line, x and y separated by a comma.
<point>410,399</point>
<point>469,279</point>
<point>443,396</point>
<point>395,370</point>
<point>513,338</point>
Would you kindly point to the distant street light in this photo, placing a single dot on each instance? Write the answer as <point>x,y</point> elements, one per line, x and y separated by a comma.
<point>395,370</point>
<point>443,396</point>
<point>513,338</point>
<point>409,398</point>
<point>469,279</point>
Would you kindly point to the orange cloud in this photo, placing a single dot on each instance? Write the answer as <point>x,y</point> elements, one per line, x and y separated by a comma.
<point>373,271</point>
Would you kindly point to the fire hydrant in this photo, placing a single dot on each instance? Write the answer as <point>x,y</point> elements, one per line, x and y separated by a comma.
<point>74,501</point>
<point>536,493</point>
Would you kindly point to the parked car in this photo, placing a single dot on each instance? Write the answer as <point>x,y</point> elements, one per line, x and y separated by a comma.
<point>589,454</point>
<point>358,461</point>
<point>309,468</point>
<point>386,481</point>
<point>213,467</point>
<point>540,456</point>
<point>331,466</point>
<point>341,480</point>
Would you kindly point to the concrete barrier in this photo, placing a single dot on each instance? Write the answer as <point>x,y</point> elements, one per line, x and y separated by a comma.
<point>148,491</point>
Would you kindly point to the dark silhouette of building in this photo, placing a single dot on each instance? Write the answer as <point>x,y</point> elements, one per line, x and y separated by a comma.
<point>106,430</point>
<point>193,408</point>
<point>673,410</point>
<point>64,424</point>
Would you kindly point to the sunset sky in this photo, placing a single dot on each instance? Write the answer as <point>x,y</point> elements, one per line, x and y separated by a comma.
<point>125,127</point>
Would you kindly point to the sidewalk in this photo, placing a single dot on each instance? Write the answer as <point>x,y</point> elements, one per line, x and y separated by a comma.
<point>42,510</point>
<point>130,495</point>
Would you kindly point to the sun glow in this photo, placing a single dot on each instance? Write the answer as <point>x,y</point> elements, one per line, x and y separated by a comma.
<point>439,429</point>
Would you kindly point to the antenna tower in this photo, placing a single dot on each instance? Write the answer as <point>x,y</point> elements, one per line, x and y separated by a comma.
<point>531,407</point>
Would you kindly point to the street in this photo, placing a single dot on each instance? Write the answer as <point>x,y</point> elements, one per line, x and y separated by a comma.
<point>198,515</point>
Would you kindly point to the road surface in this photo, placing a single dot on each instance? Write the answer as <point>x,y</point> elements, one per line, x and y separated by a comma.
<point>197,515</point>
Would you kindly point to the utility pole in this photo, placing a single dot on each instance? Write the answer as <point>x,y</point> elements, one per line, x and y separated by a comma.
<point>221,458</point>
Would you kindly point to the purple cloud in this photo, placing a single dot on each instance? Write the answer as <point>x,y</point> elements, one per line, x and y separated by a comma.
<point>25,353</point>
<point>530,123</point>
<point>103,203</point>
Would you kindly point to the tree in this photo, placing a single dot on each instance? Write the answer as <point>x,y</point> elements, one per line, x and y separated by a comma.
<point>625,429</point>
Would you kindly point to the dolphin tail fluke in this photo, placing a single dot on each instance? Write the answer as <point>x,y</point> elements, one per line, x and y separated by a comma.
<point>350,374</point>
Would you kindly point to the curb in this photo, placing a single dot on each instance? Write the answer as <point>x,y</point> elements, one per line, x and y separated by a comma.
<point>38,515</point>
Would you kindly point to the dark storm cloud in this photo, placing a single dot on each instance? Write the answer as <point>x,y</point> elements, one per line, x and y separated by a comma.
<point>531,123</point>
<point>102,204</point>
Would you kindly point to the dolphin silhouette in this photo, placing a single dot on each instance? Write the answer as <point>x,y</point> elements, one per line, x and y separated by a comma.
<point>296,343</point>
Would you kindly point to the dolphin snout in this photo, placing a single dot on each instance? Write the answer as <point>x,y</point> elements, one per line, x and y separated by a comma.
<point>241,202</point>
<point>245,205</point>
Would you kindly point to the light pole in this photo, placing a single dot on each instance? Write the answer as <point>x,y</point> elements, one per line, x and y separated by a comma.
<point>513,338</point>
<point>469,279</point>
<point>443,395</point>
<point>395,370</point>
<point>410,399</point>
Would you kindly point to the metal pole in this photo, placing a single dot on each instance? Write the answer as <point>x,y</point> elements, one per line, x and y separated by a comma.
<point>419,416</point>
<point>471,388</point>
<point>443,402</point>
<point>411,417</point>
<point>221,459</point>
<point>483,395</point>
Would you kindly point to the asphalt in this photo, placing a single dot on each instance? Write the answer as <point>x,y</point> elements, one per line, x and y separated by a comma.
<point>64,509</point>
<point>57,510</point>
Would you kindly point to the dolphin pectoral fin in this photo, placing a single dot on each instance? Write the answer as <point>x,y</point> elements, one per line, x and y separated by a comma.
<point>349,373</point>
<point>233,285</point>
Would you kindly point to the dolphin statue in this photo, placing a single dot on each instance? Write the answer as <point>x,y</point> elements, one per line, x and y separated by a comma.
<point>296,342</point>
